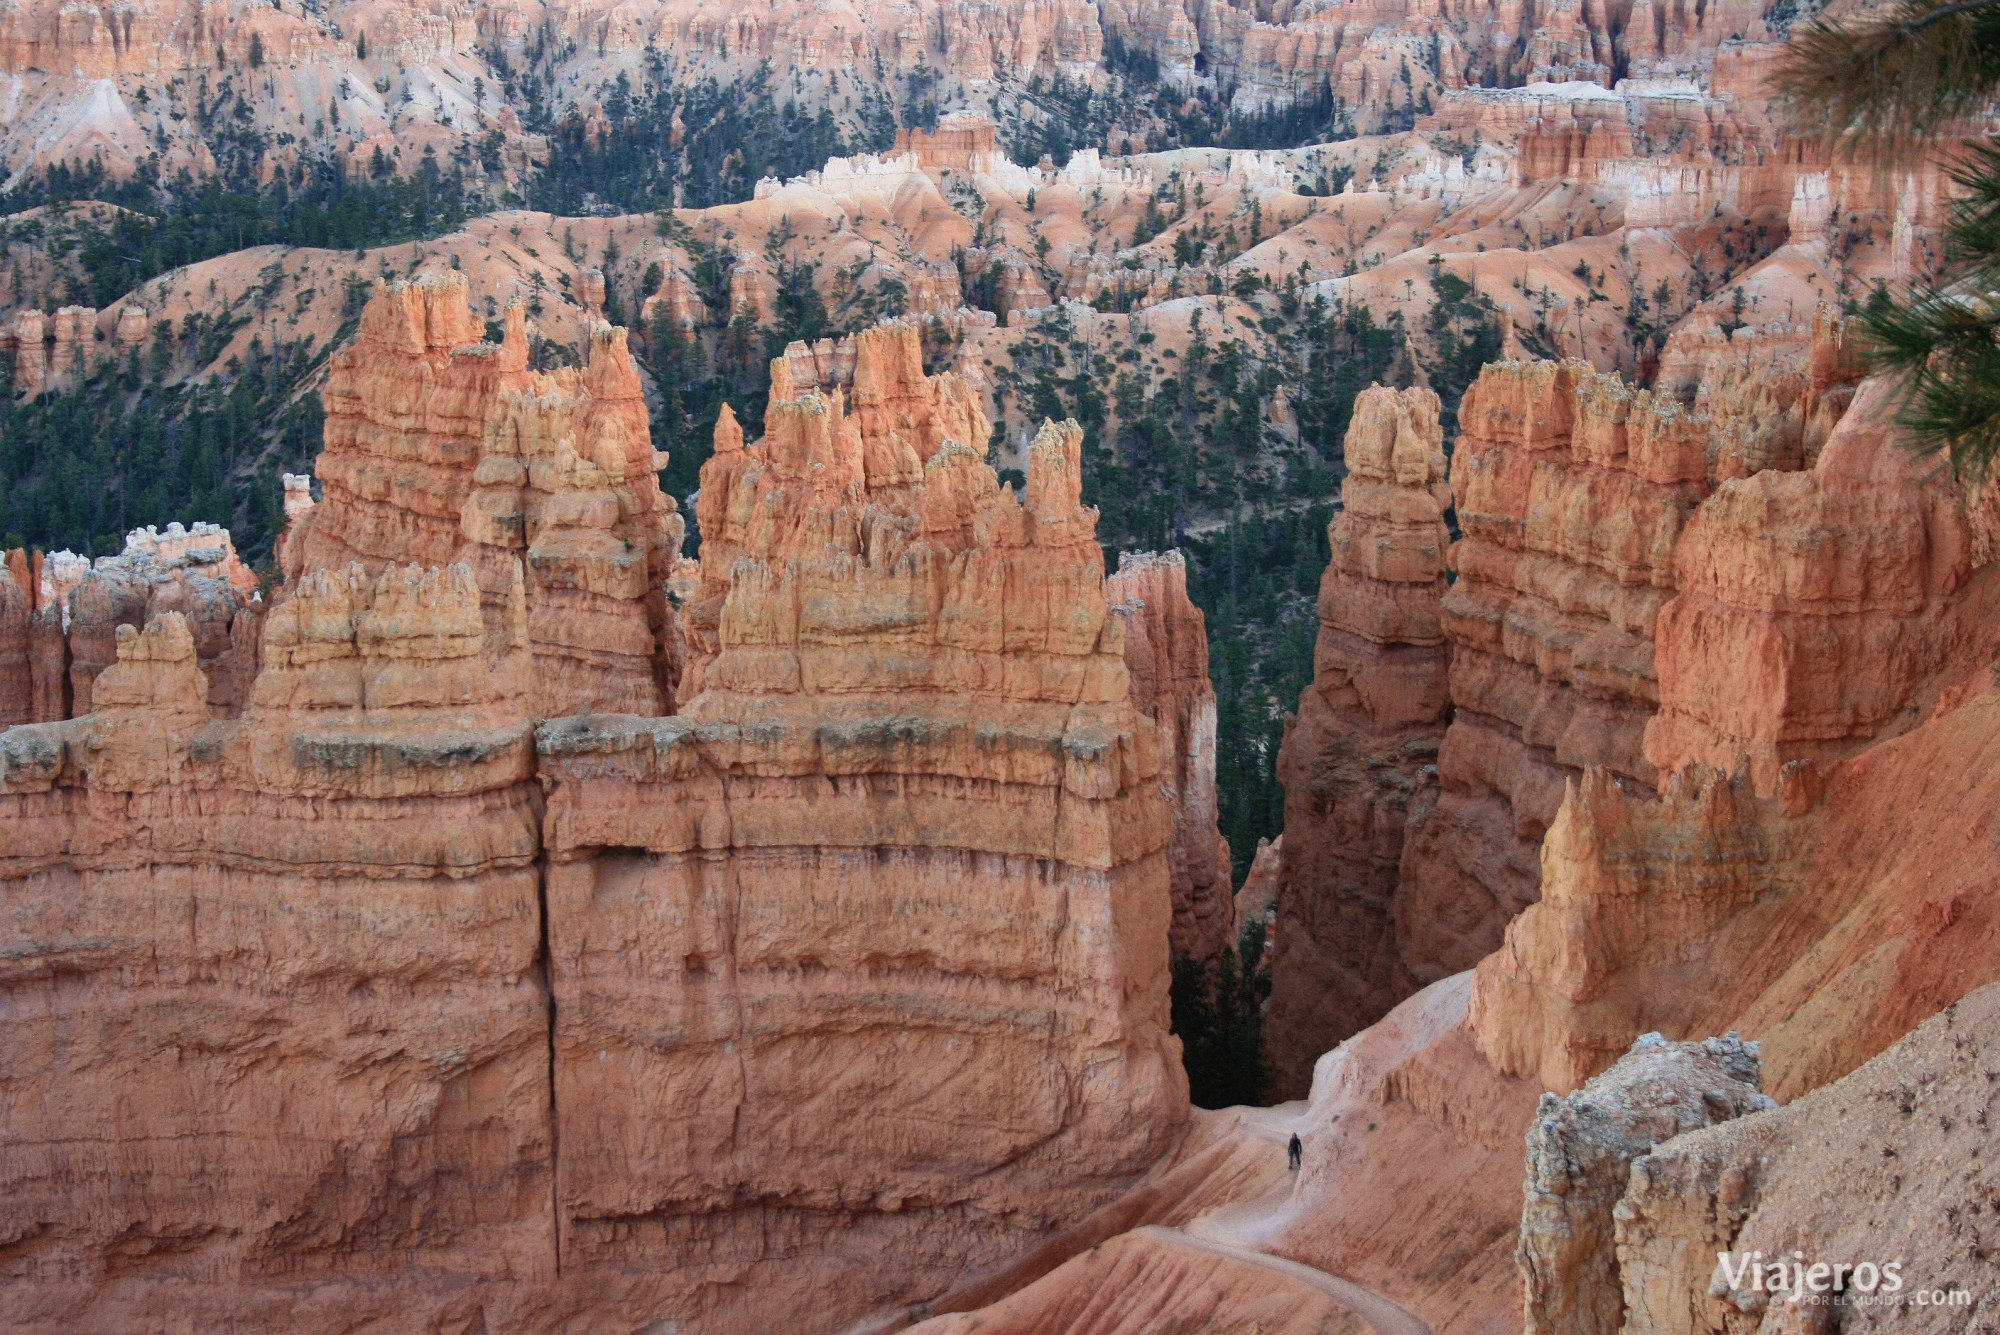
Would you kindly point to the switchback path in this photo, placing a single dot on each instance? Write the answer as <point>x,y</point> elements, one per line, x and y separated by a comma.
<point>1386,1316</point>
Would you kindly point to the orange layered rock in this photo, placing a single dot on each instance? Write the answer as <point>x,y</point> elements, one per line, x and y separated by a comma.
<point>1166,652</point>
<point>443,448</point>
<point>1827,897</point>
<point>17,614</point>
<point>908,819</point>
<point>193,572</point>
<point>1821,611</point>
<point>1572,492</point>
<point>297,948</point>
<point>1363,748</point>
<point>1779,415</point>
<point>617,1019</point>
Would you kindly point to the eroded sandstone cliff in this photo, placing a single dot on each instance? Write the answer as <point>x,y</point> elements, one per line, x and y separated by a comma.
<point>397,1000</point>
<point>442,447</point>
<point>1166,652</point>
<point>1832,852</point>
<point>1586,507</point>
<point>1572,491</point>
<point>908,821</point>
<point>1363,747</point>
<point>1822,896</point>
<point>273,981</point>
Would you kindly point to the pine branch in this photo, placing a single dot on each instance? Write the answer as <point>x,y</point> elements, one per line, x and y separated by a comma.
<point>1882,84</point>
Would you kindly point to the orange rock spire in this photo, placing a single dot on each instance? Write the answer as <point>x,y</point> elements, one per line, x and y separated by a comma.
<point>443,448</point>
<point>1363,748</point>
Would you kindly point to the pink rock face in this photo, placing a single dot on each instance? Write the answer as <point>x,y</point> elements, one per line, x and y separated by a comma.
<point>1572,492</point>
<point>443,448</point>
<point>1166,652</point>
<point>357,1021</point>
<point>1827,897</point>
<point>799,1005</point>
<point>1585,507</point>
<point>908,820</point>
<point>17,613</point>
<point>1821,611</point>
<point>81,605</point>
<point>1363,746</point>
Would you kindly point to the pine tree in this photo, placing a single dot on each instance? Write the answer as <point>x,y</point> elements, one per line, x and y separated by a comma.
<point>1881,87</point>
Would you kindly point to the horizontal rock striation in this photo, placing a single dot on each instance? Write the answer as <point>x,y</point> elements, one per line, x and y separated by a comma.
<point>1362,750</point>
<point>273,979</point>
<point>443,448</point>
<point>391,1000</point>
<point>1838,858</point>
<point>909,821</point>
<point>1572,491</point>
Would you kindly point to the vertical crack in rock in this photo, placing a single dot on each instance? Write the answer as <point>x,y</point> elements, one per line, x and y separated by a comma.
<point>863,953</point>
<point>545,959</point>
<point>910,811</point>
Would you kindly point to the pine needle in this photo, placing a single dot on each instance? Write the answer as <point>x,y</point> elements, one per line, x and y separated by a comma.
<point>1879,85</point>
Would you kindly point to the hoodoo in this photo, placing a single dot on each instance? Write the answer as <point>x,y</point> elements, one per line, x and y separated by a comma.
<point>1428,634</point>
<point>405,997</point>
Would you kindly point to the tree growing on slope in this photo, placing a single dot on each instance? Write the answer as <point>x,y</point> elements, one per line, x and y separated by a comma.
<point>1883,86</point>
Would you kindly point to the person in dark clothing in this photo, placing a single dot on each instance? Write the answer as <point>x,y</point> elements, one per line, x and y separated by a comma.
<point>1294,1150</point>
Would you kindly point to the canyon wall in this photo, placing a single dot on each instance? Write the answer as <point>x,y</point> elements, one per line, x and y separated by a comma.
<point>908,821</point>
<point>1836,855</point>
<point>1628,605</point>
<point>1572,491</point>
<point>273,980</point>
<point>1166,653</point>
<point>1702,934</point>
<point>394,1004</point>
<point>1362,750</point>
<point>358,77</point>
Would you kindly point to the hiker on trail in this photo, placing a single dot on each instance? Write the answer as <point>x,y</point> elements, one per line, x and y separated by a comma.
<point>1293,1151</point>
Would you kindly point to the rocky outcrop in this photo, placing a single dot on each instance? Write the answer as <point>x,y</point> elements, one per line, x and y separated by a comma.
<point>1581,1148</point>
<point>958,143</point>
<point>1828,860</point>
<point>1572,491</point>
<point>1166,653</point>
<point>358,851</point>
<point>677,301</point>
<point>907,804</point>
<point>75,608</point>
<point>443,448</point>
<point>1820,611</point>
<point>1362,749</point>
<point>614,1017</point>
<point>1779,415</point>
<point>1865,1205</point>
<point>52,352</point>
